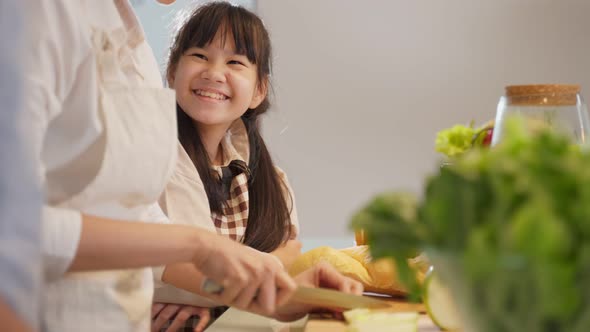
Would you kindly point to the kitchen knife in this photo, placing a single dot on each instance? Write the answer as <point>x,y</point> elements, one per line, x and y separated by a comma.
<point>320,297</point>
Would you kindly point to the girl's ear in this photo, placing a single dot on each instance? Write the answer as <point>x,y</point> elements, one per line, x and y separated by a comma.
<point>170,76</point>
<point>170,80</point>
<point>259,94</point>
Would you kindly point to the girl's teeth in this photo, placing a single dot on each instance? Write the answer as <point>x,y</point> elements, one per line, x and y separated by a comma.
<point>213,95</point>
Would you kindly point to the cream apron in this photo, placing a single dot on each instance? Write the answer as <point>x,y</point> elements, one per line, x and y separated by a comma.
<point>133,162</point>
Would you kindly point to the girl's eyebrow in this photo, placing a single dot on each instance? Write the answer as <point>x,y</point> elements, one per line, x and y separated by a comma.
<point>235,53</point>
<point>193,49</point>
<point>231,52</point>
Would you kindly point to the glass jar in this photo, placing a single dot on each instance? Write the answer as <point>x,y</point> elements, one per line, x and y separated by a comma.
<point>559,106</point>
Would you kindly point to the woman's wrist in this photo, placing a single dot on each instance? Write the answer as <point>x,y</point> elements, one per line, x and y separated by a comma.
<point>197,245</point>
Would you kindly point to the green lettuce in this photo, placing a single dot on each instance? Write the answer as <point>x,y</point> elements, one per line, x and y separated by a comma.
<point>518,218</point>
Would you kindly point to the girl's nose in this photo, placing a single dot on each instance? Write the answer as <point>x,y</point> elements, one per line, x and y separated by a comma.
<point>215,73</point>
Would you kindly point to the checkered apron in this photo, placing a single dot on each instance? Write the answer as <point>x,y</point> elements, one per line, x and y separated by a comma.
<point>234,181</point>
<point>232,223</point>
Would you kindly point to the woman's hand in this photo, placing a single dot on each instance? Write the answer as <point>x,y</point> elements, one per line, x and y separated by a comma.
<point>321,275</point>
<point>163,312</point>
<point>288,252</point>
<point>251,280</point>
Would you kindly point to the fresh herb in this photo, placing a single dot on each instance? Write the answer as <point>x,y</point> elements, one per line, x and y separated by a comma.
<point>516,217</point>
<point>458,139</point>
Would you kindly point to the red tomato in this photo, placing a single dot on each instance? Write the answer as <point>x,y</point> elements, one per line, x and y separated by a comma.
<point>488,139</point>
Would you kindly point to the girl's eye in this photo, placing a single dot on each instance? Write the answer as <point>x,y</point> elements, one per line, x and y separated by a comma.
<point>236,62</point>
<point>199,55</point>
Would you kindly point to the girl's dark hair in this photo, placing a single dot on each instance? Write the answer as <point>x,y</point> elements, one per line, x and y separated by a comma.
<point>269,222</point>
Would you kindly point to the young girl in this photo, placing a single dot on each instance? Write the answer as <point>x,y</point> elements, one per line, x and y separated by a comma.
<point>219,65</point>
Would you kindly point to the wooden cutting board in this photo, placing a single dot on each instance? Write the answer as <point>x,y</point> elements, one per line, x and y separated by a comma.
<point>326,322</point>
<point>424,325</point>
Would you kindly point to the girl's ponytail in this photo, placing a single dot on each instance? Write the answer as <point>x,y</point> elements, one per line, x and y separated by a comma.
<point>269,222</point>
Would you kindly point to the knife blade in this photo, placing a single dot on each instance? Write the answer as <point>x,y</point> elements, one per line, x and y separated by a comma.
<point>320,297</point>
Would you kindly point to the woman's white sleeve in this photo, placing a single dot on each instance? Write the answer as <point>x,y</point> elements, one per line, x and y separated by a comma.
<point>61,229</point>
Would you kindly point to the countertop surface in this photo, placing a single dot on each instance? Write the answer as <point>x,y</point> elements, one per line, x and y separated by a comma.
<point>236,320</point>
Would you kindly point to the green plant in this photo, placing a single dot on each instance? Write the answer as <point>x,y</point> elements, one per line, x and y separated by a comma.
<point>458,139</point>
<point>516,219</point>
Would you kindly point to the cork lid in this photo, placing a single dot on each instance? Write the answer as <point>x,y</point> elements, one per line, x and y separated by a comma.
<point>542,94</point>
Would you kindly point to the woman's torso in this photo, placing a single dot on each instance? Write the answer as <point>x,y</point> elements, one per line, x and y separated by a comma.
<point>109,153</point>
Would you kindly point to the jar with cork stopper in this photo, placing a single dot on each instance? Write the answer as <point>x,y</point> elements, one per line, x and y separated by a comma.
<point>558,106</point>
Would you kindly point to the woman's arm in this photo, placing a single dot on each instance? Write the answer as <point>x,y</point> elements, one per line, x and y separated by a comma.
<point>111,244</point>
<point>253,281</point>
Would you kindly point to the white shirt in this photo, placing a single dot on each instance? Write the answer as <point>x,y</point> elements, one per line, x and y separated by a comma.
<point>85,58</point>
<point>64,124</point>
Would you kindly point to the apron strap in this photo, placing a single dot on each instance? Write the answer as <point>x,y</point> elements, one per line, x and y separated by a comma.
<point>115,53</point>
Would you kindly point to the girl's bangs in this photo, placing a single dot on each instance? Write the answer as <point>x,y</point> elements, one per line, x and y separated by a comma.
<point>230,22</point>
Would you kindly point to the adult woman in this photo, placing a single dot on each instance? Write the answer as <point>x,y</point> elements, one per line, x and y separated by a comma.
<point>96,111</point>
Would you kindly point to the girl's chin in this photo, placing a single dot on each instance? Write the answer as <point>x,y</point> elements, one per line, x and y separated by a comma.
<point>210,118</point>
<point>211,122</point>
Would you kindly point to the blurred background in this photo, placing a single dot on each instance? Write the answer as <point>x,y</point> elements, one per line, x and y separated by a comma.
<point>362,87</point>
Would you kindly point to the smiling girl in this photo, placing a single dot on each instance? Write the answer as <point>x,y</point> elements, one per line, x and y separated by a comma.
<point>225,181</point>
<point>219,66</point>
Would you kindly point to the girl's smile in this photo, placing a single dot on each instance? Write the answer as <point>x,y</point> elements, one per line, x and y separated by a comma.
<point>210,95</point>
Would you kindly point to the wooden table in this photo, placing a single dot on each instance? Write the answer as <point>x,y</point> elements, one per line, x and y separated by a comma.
<point>236,320</point>
<point>317,323</point>
<point>313,325</point>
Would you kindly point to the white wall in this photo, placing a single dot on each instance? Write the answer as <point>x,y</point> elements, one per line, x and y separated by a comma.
<point>362,87</point>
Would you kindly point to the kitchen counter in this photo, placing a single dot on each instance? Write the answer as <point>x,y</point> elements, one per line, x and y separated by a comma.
<point>236,320</point>
<point>425,324</point>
